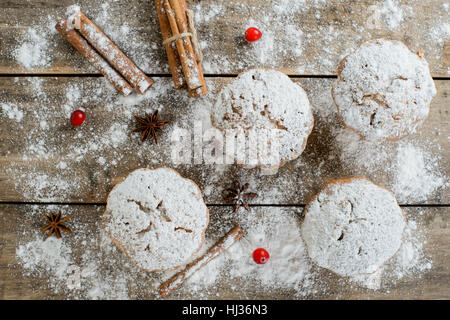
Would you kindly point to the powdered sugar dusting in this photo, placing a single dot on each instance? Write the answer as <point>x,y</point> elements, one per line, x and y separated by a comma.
<point>409,262</point>
<point>107,133</point>
<point>417,159</point>
<point>76,153</point>
<point>392,14</point>
<point>416,176</point>
<point>12,112</point>
<point>410,258</point>
<point>288,267</point>
<point>82,265</point>
<point>87,265</point>
<point>52,254</point>
<point>45,140</point>
<point>295,33</point>
<point>35,50</point>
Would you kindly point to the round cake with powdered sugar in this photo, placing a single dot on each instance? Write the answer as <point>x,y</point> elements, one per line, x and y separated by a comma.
<point>269,112</point>
<point>353,226</point>
<point>383,90</point>
<point>157,218</point>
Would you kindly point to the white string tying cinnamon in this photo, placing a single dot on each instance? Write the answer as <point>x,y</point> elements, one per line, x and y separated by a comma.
<point>192,34</point>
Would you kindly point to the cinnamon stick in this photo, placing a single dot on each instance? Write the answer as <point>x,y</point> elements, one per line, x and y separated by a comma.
<point>111,53</point>
<point>77,41</point>
<point>172,55</point>
<point>202,90</point>
<point>184,46</point>
<point>223,244</point>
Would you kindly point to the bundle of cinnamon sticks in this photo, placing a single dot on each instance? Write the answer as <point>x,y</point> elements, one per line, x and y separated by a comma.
<point>183,51</point>
<point>103,54</point>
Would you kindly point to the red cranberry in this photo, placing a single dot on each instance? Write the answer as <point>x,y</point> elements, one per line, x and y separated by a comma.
<point>77,118</point>
<point>261,256</point>
<point>252,34</point>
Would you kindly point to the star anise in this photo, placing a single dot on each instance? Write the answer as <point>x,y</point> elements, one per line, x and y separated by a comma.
<point>150,125</point>
<point>55,224</point>
<point>239,197</point>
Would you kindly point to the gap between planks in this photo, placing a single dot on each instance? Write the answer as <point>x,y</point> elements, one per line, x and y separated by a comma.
<point>168,75</point>
<point>256,205</point>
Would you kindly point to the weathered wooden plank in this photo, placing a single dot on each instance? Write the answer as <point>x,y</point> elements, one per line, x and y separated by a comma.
<point>20,225</point>
<point>44,158</point>
<point>300,37</point>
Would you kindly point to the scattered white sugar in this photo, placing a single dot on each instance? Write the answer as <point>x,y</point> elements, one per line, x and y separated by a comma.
<point>125,29</point>
<point>213,11</point>
<point>411,259</point>
<point>384,90</point>
<point>158,217</point>
<point>43,124</point>
<point>415,172</point>
<point>71,12</point>
<point>105,16</point>
<point>284,7</point>
<point>276,17</point>
<point>45,187</point>
<point>84,277</point>
<point>101,161</point>
<point>282,36</point>
<point>409,262</point>
<point>209,274</point>
<point>440,33</point>
<point>355,151</point>
<point>392,14</point>
<point>61,165</point>
<point>288,268</point>
<point>73,95</point>
<point>101,284</point>
<point>34,49</point>
<point>103,272</point>
<point>353,227</point>
<point>116,135</point>
<point>263,49</point>
<point>51,255</point>
<point>12,112</point>
<point>87,144</point>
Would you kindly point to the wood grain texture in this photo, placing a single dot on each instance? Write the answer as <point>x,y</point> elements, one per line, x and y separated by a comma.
<point>20,224</point>
<point>44,158</point>
<point>304,37</point>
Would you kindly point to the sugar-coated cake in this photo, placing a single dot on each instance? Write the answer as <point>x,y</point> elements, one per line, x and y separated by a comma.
<point>352,227</point>
<point>383,90</point>
<point>271,111</point>
<point>157,218</point>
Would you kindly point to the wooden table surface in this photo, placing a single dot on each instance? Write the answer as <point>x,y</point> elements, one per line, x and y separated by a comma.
<point>35,153</point>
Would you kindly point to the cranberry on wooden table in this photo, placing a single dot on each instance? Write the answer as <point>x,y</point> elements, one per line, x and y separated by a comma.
<point>77,118</point>
<point>261,256</point>
<point>252,34</point>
